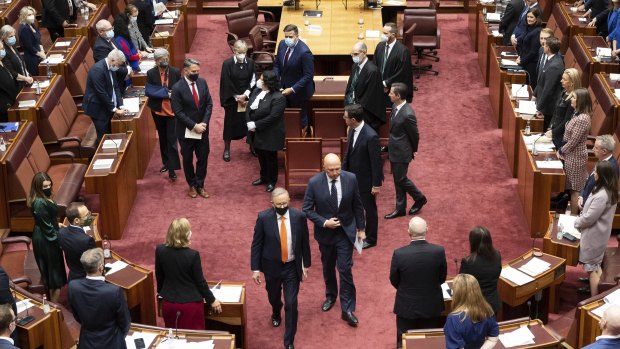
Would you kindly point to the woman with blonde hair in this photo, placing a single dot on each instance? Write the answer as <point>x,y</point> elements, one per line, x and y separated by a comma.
<point>30,39</point>
<point>571,81</point>
<point>471,324</point>
<point>180,281</point>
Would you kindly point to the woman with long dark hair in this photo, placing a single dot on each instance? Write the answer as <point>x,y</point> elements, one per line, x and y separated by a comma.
<point>123,40</point>
<point>484,263</point>
<point>528,45</point>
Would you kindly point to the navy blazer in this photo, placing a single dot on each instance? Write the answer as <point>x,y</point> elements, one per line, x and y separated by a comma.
<point>74,241</point>
<point>102,47</point>
<point>587,189</point>
<point>317,208</point>
<point>404,135</point>
<point>298,72</point>
<point>101,309</point>
<point>510,18</point>
<point>364,159</point>
<point>521,26</point>
<point>266,251</point>
<point>184,107</point>
<point>31,44</point>
<point>549,89</point>
<point>4,344</point>
<point>98,95</point>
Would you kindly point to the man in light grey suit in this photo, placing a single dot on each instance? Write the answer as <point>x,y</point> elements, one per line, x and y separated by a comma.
<point>402,146</point>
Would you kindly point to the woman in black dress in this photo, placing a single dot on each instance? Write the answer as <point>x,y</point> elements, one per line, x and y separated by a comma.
<point>236,83</point>
<point>30,39</point>
<point>8,87</point>
<point>528,45</point>
<point>13,60</point>
<point>484,263</point>
<point>571,80</point>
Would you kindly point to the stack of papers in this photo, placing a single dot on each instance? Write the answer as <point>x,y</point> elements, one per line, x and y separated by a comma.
<point>146,66</point>
<point>516,277</point>
<point>444,291</point>
<point>509,54</point>
<point>116,266</point>
<point>146,336</point>
<point>62,43</point>
<point>182,343</point>
<point>525,107</point>
<point>54,59</point>
<point>518,337</point>
<point>617,92</point>
<point>612,298</point>
<point>228,294</point>
<point>614,77</point>
<point>112,143</point>
<point>164,34</point>
<point>603,52</point>
<point>568,225</point>
<point>44,84</point>
<point>23,305</point>
<point>27,103</point>
<point>509,63</point>
<point>535,266</point>
<point>520,91</point>
<point>165,21</point>
<point>549,164</point>
<point>493,17</point>
<point>132,104</point>
<point>103,164</point>
<point>169,14</point>
<point>496,33</point>
<point>543,144</point>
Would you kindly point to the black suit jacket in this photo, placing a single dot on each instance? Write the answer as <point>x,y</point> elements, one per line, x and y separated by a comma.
<point>146,18</point>
<point>266,250</point>
<point>229,86</point>
<point>487,273</point>
<point>587,189</point>
<point>102,47</point>
<point>404,135</point>
<point>8,89</point>
<point>55,12</point>
<point>397,67</point>
<point>98,95</point>
<point>184,107</point>
<point>369,90</point>
<point>510,19</point>
<point>364,160</point>
<point>101,309</point>
<point>317,208</point>
<point>179,275</point>
<point>269,120</point>
<point>417,272</point>
<point>153,77</point>
<point>14,63</point>
<point>298,72</point>
<point>74,241</point>
<point>548,89</point>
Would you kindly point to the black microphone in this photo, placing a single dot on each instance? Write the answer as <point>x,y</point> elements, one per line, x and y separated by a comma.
<point>529,312</point>
<point>26,319</point>
<point>176,325</point>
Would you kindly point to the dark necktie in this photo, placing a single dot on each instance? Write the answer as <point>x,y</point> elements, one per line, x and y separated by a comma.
<point>385,57</point>
<point>350,93</point>
<point>393,112</point>
<point>195,94</point>
<point>113,80</point>
<point>351,138</point>
<point>287,55</point>
<point>333,197</point>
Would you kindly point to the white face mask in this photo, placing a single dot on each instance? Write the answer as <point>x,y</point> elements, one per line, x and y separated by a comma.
<point>259,83</point>
<point>240,57</point>
<point>384,37</point>
<point>30,19</point>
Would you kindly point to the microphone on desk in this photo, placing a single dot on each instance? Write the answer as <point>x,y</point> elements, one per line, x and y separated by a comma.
<point>176,325</point>
<point>534,151</point>
<point>529,312</point>
<point>456,264</point>
<point>26,319</point>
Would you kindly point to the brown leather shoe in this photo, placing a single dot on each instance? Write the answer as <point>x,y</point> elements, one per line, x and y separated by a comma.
<point>202,192</point>
<point>192,192</point>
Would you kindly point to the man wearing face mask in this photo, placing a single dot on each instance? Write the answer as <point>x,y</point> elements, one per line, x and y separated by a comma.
<point>295,66</point>
<point>281,250</point>
<point>102,98</point>
<point>105,40</point>
<point>394,62</point>
<point>192,106</point>
<point>7,327</point>
<point>74,240</point>
<point>365,87</point>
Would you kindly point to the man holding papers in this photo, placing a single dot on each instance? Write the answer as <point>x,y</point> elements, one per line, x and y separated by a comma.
<point>610,326</point>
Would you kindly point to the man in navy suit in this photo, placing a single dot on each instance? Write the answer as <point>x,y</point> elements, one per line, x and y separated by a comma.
<point>610,330</point>
<point>105,40</point>
<point>417,271</point>
<point>332,202</point>
<point>295,66</point>
<point>74,240</point>
<point>521,26</point>
<point>281,250</point>
<point>549,87</point>
<point>7,327</point>
<point>98,306</point>
<point>363,158</point>
<point>603,150</point>
<point>192,106</point>
<point>510,19</point>
<point>103,98</point>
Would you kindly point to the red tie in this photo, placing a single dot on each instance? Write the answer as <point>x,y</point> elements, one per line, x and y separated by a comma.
<point>195,93</point>
<point>287,55</point>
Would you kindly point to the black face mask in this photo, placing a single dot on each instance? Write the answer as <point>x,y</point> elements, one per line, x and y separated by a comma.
<point>88,221</point>
<point>193,77</point>
<point>47,192</point>
<point>281,210</point>
<point>163,65</point>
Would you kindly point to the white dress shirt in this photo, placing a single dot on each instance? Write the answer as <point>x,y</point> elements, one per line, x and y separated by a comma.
<point>358,129</point>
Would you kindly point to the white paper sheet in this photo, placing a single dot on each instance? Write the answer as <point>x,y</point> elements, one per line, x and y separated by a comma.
<point>54,60</point>
<point>568,225</point>
<point>145,66</point>
<point>551,164</point>
<point>163,34</point>
<point>23,305</point>
<point>508,54</point>
<point>444,291</point>
<point>44,84</point>
<point>116,266</point>
<point>359,245</point>
<point>132,104</point>
<point>535,266</point>
<point>614,77</point>
<point>520,336</point>
<point>496,33</point>
<point>146,336</point>
<point>493,17</point>
<point>112,143</point>
<point>102,164</point>
<point>526,107</point>
<point>62,43</point>
<point>509,63</point>
<point>27,103</point>
<point>516,277</point>
<point>228,294</point>
<point>192,135</point>
<point>603,52</point>
<point>520,91</point>
<point>170,15</point>
<point>164,21</point>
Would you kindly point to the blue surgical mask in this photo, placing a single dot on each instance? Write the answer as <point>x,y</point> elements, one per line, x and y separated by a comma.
<point>109,34</point>
<point>113,68</point>
<point>11,41</point>
<point>2,53</point>
<point>290,42</point>
<point>356,59</point>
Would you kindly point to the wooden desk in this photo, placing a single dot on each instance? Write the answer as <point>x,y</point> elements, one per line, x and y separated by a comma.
<point>434,338</point>
<point>220,341</point>
<point>560,248</point>
<point>175,40</point>
<point>92,230</point>
<point>9,12</point>
<point>513,124</point>
<point>474,19</point>
<point>585,327</point>
<point>86,26</point>
<point>189,10</point>
<point>44,331</point>
<point>565,24</point>
<point>137,282</point>
<point>116,186</point>
<point>9,138</point>
<point>484,41</point>
<point>581,55</point>
<point>498,77</point>
<point>144,133</point>
<point>601,83</point>
<point>29,93</point>
<point>62,46</point>
<point>535,186</point>
<point>232,318</point>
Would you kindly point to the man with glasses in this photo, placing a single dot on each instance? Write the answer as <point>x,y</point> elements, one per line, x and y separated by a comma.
<point>7,326</point>
<point>74,239</point>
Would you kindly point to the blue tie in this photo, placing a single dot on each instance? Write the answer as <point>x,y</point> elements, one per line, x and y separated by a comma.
<point>333,197</point>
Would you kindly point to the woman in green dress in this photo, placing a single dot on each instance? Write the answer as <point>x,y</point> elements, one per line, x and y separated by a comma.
<point>47,251</point>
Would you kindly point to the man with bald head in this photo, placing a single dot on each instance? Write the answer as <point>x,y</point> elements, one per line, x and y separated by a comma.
<point>417,272</point>
<point>332,202</point>
<point>610,327</point>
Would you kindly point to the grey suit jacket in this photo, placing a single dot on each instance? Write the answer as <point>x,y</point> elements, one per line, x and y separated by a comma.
<point>404,135</point>
<point>595,227</point>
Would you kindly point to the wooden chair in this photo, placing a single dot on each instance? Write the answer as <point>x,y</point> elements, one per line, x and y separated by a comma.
<point>611,268</point>
<point>292,123</point>
<point>263,53</point>
<point>20,264</point>
<point>329,126</point>
<point>302,161</point>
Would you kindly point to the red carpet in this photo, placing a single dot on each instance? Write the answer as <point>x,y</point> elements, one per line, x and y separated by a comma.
<point>461,168</point>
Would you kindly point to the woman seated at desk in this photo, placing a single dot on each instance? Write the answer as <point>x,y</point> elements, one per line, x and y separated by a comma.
<point>528,46</point>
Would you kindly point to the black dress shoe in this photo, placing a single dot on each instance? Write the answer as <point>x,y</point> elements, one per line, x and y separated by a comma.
<point>394,214</point>
<point>163,169</point>
<point>350,318</point>
<point>226,155</point>
<point>258,182</point>
<point>275,320</point>
<point>172,175</point>
<point>368,245</point>
<point>270,188</point>
<point>328,304</point>
<point>585,280</point>
<point>418,205</point>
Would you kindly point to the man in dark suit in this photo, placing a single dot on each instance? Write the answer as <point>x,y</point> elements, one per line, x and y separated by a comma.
<point>542,57</point>
<point>402,147</point>
<point>604,151</point>
<point>102,98</point>
<point>98,306</point>
<point>394,62</point>
<point>295,66</point>
<point>510,18</point>
<point>192,106</point>
<point>365,87</point>
<point>417,272</point>
<point>105,40</point>
<point>521,27</point>
<point>56,16</point>
<point>332,202</point>
<point>6,297</point>
<point>74,240</point>
<point>281,250</point>
<point>363,158</point>
<point>549,87</point>
<point>7,327</point>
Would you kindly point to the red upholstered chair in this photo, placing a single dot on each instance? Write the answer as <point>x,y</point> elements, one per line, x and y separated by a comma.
<point>302,161</point>
<point>330,127</point>
<point>269,22</point>
<point>611,268</point>
<point>425,36</point>
<point>239,25</point>
<point>19,263</point>
<point>292,123</point>
<point>263,53</point>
